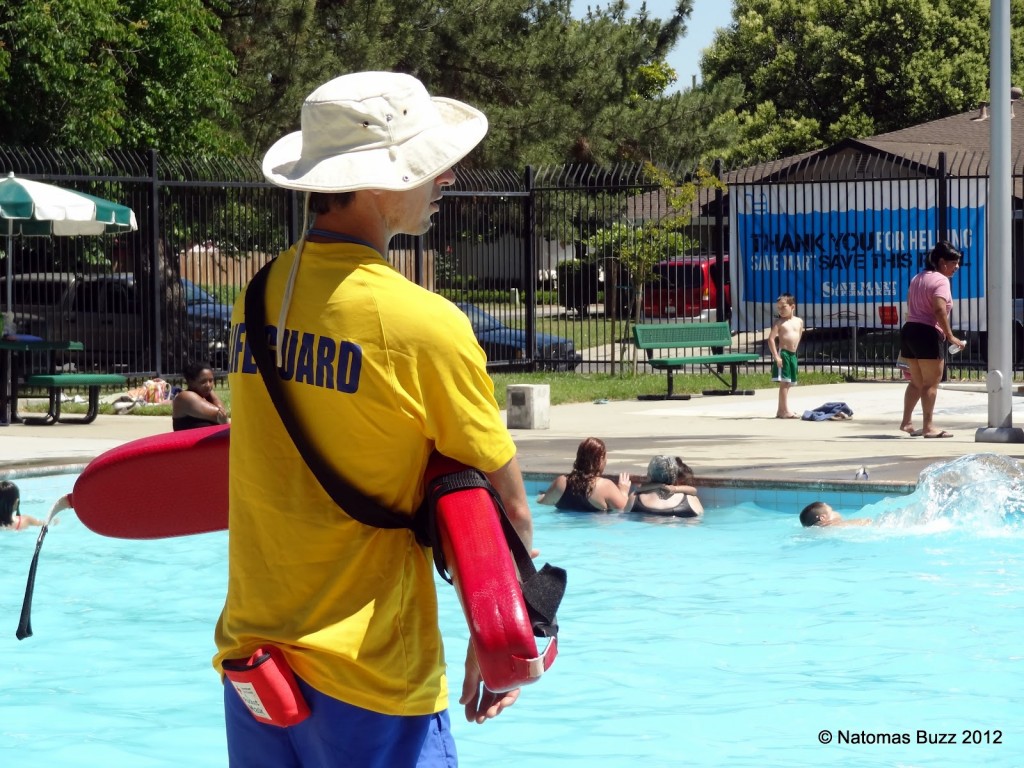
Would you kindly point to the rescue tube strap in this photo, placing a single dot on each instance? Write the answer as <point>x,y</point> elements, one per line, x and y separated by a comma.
<point>542,590</point>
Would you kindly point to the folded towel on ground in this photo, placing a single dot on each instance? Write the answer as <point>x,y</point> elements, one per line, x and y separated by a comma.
<point>829,412</point>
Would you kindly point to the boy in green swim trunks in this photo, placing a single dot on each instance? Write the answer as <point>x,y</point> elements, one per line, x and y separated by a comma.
<point>783,340</point>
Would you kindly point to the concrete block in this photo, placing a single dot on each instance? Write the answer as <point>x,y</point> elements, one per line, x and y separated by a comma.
<point>529,406</point>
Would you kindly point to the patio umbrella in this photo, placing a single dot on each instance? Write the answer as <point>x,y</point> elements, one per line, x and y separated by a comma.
<point>32,208</point>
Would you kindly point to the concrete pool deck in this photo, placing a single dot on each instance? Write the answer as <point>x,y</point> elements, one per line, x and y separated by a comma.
<point>727,437</point>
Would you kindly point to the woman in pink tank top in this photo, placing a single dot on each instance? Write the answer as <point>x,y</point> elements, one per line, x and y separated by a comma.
<point>929,305</point>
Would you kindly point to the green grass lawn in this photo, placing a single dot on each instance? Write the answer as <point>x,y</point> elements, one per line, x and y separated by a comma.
<point>587,387</point>
<point>565,388</point>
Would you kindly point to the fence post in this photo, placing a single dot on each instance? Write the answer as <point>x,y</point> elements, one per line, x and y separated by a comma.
<point>530,263</point>
<point>418,263</point>
<point>943,199</point>
<point>155,272</point>
<point>720,242</point>
<point>295,215</point>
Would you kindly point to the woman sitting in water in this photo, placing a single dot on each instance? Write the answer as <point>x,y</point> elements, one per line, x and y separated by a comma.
<point>583,489</point>
<point>669,490</point>
<point>197,406</point>
<point>10,509</point>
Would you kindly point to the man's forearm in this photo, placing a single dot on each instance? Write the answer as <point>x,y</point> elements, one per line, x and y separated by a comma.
<point>508,482</point>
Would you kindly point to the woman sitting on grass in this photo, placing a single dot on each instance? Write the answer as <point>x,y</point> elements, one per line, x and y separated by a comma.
<point>584,489</point>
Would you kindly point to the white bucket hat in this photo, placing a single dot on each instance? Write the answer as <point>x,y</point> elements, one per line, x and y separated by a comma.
<point>373,130</point>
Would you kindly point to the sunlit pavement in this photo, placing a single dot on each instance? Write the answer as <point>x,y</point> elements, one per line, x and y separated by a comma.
<point>718,436</point>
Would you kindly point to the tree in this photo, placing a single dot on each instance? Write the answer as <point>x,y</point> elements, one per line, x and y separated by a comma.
<point>279,60</point>
<point>633,250</point>
<point>558,89</point>
<point>554,88</point>
<point>94,74</point>
<point>826,70</point>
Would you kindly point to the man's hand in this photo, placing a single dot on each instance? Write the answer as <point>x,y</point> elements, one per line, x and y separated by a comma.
<point>482,704</point>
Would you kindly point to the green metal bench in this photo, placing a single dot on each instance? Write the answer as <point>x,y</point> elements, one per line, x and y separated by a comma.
<point>657,336</point>
<point>55,383</point>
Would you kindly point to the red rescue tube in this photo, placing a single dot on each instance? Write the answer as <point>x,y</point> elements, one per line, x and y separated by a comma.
<point>485,578</point>
<point>172,484</point>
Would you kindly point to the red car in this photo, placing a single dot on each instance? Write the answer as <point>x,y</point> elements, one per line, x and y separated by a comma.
<point>688,289</point>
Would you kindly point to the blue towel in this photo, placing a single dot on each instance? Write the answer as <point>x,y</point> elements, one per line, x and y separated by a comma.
<point>829,412</point>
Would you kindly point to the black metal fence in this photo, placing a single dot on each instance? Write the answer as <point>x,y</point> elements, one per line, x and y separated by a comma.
<point>536,258</point>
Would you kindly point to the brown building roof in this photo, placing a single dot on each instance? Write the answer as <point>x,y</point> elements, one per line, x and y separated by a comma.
<point>961,141</point>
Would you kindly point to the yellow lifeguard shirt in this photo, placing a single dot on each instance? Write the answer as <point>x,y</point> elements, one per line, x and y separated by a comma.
<point>380,372</point>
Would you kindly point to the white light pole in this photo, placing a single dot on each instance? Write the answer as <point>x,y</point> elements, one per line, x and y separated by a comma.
<point>999,381</point>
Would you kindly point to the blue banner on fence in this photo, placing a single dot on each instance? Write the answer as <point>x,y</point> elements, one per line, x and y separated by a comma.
<point>847,252</point>
<point>824,256</point>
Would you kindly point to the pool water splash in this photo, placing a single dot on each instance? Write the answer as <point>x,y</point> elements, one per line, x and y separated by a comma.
<point>979,493</point>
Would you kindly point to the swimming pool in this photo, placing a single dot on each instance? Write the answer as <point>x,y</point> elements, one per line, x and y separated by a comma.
<point>739,640</point>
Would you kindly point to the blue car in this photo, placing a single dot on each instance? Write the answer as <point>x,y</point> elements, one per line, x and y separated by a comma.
<point>209,323</point>
<point>506,347</point>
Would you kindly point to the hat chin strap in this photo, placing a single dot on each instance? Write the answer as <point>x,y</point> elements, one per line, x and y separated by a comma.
<point>286,300</point>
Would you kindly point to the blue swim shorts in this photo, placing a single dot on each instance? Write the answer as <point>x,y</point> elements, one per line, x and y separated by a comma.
<point>337,734</point>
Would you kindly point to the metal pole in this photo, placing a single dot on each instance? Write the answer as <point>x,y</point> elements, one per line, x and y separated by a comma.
<point>530,262</point>
<point>1000,302</point>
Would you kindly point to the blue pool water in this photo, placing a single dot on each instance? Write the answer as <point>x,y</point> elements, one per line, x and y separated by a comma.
<point>733,641</point>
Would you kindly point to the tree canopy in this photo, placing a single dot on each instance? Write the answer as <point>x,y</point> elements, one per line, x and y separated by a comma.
<point>815,72</point>
<point>195,76</point>
<point>94,74</point>
<point>554,88</point>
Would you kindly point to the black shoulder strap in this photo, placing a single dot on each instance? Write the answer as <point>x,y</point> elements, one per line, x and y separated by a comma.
<point>353,502</point>
<point>542,590</point>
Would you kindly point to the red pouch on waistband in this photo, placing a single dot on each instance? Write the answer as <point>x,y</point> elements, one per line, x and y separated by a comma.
<point>267,687</point>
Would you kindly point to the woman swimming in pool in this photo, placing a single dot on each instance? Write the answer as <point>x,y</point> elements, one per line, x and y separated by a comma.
<point>583,489</point>
<point>11,518</point>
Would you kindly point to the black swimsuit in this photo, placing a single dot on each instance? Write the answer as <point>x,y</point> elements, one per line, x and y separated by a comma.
<point>683,509</point>
<point>574,502</point>
<point>190,422</point>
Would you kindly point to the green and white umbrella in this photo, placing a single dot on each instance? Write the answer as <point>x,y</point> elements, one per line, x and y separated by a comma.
<point>31,208</point>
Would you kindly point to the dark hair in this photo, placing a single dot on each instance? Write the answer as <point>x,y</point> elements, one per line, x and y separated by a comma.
<point>944,250</point>
<point>811,514</point>
<point>192,370</point>
<point>684,475</point>
<point>9,497</point>
<point>789,298</point>
<point>590,456</point>
<point>321,202</point>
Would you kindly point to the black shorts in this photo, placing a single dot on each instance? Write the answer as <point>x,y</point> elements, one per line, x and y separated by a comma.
<point>921,342</point>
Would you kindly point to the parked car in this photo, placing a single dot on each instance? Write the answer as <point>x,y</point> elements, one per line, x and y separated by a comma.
<point>687,289</point>
<point>209,323</point>
<point>506,346</point>
<point>108,314</point>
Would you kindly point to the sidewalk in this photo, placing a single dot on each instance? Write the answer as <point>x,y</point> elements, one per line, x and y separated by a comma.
<point>738,436</point>
<point>727,437</point>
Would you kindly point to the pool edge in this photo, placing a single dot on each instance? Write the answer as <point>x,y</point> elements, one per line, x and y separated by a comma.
<point>841,486</point>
